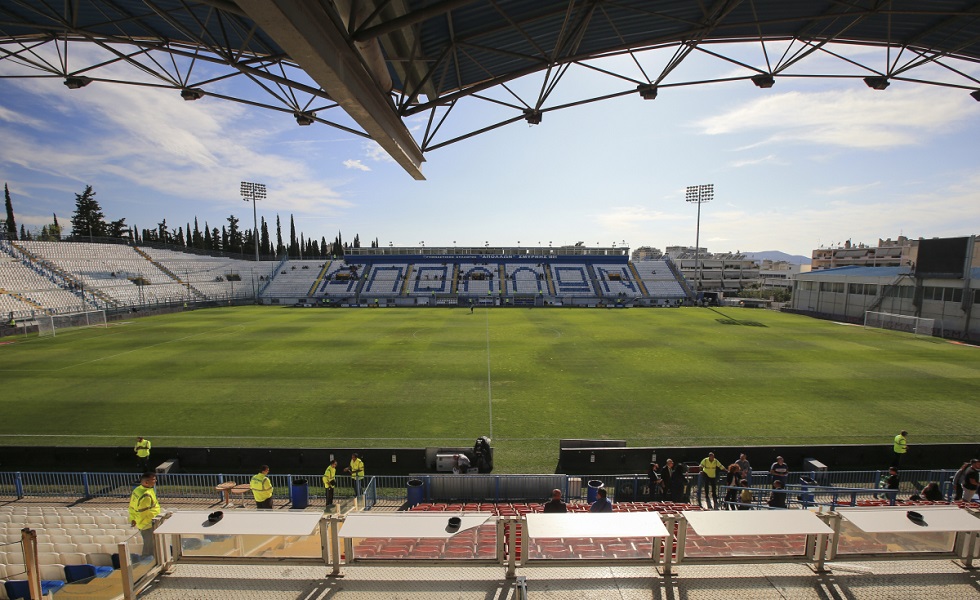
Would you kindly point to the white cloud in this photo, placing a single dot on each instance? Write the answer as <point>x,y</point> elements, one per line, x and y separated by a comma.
<point>856,118</point>
<point>751,162</point>
<point>356,164</point>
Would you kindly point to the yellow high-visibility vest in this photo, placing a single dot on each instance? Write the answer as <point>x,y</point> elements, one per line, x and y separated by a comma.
<point>357,468</point>
<point>330,476</point>
<point>142,449</point>
<point>261,487</point>
<point>143,507</point>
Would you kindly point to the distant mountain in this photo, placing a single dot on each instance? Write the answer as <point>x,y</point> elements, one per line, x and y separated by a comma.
<point>795,259</point>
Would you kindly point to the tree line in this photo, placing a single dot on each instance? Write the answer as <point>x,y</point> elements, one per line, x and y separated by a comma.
<point>88,222</point>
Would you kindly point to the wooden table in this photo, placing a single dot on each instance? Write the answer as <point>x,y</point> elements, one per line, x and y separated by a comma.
<point>240,490</point>
<point>225,489</point>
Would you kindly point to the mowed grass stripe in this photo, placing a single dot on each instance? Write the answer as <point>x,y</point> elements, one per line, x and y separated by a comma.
<point>652,377</point>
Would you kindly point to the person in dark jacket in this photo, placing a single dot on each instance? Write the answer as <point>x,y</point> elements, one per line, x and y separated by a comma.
<point>555,505</point>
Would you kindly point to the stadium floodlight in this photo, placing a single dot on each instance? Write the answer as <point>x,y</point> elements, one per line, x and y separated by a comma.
<point>304,118</point>
<point>74,83</point>
<point>254,192</point>
<point>532,116</point>
<point>976,95</point>
<point>699,194</point>
<point>647,91</point>
<point>876,82</point>
<point>763,80</point>
<point>191,94</point>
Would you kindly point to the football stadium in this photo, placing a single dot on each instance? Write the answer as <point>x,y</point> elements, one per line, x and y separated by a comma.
<point>447,421</point>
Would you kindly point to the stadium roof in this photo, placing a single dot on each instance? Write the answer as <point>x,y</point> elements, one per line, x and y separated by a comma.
<point>366,66</point>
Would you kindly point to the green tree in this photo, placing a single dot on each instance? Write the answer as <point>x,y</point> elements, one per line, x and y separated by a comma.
<point>279,247</point>
<point>198,239</point>
<point>11,225</point>
<point>88,219</point>
<point>264,239</point>
<point>293,242</point>
<point>54,231</point>
<point>215,239</point>
<point>234,235</point>
<point>207,237</point>
<point>118,229</point>
<point>23,233</point>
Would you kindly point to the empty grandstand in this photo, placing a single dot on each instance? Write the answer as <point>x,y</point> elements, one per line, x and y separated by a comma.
<point>42,277</point>
<point>573,276</point>
<point>45,278</point>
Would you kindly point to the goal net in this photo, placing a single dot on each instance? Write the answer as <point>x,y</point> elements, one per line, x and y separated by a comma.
<point>50,325</point>
<point>906,323</point>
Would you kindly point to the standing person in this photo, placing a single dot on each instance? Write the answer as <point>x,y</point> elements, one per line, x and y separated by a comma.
<point>732,479</point>
<point>602,503</point>
<point>744,467</point>
<point>709,479</point>
<point>656,485</point>
<point>891,484</point>
<point>356,470</point>
<point>262,488</point>
<point>779,471</point>
<point>900,447</point>
<point>142,450</point>
<point>143,508</point>
<point>330,481</point>
<point>971,480</point>
<point>555,505</point>
<point>674,481</point>
<point>958,481</point>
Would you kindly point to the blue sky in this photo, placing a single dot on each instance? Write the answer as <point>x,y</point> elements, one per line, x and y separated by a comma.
<point>809,162</point>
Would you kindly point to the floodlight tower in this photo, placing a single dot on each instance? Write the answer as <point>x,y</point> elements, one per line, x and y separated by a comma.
<point>699,194</point>
<point>253,192</point>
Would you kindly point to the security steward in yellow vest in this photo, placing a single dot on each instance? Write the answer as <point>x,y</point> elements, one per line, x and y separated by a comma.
<point>900,448</point>
<point>356,470</point>
<point>330,480</point>
<point>143,508</point>
<point>262,488</point>
<point>142,450</point>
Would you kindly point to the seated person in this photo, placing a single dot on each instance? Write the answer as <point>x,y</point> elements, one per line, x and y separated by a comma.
<point>745,496</point>
<point>602,504</point>
<point>555,505</point>
<point>778,497</point>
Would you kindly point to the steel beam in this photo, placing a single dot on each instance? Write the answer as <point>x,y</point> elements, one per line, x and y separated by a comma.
<point>313,41</point>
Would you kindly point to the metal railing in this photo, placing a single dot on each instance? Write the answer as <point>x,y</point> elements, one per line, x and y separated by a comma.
<point>833,486</point>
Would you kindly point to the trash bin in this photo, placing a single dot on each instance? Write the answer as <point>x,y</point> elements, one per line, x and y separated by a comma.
<point>805,484</point>
<point>592,494</point>
<point>416,492</point>
<point>299,494</point>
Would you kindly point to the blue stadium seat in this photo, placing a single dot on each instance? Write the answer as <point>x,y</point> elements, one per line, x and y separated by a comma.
<point>81,572</point>
<point>18,588</point>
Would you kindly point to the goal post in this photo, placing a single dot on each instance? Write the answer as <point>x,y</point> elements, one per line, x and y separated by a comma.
<point>906,323</point>
<point>49,325</point>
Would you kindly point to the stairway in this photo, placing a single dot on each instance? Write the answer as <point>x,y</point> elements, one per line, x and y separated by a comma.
<point>638,280</point>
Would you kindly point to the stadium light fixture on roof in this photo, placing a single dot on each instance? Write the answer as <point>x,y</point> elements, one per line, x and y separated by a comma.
<point>190,94</point>
<point>976,95</point>
<point>304,118</point>
<point>647,91</point>
<point>74,83</point>
<point>253,192</point>
<point>876,82</point>
<point>532,116</point>
<point>763,80</point>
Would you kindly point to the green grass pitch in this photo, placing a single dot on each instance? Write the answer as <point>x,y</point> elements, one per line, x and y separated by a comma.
<point>269,376</point>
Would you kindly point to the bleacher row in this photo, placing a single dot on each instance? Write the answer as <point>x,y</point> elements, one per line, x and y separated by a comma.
<point>61,277</point>
<point>73,543</point>
<point>340,279</point>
